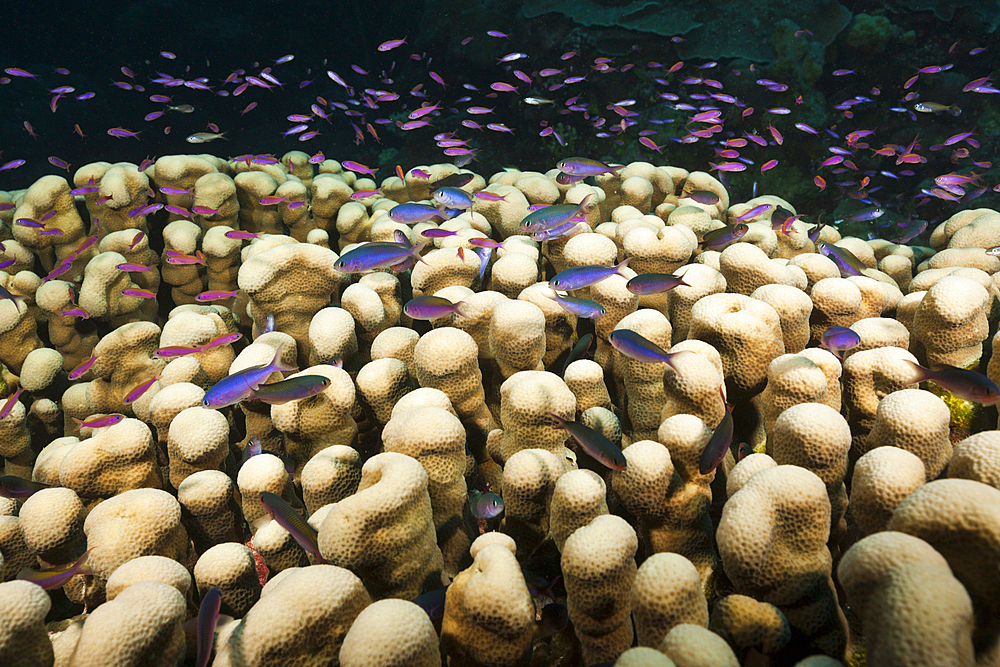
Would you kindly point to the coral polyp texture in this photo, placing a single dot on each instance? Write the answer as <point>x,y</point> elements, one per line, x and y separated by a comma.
<point>388,441</point>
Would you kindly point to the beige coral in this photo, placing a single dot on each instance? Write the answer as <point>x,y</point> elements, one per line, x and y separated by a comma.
<point>598,565</point>
<point>667,591</point>
<point>785,512</point>
<point>960,519</point>
<point>302,618</point>
<point>882,479</point>
<point>140,626</point>
<point>489,617</point>
<point>23,639</point>
<point>385,531</point>
<point>912,610</point>
<point>391,633</point>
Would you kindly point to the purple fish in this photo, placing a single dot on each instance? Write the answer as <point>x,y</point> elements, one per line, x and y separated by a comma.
<point>654,283</point>
<point>410,213</point>
<point>554,216</point>
<point>717,239</point>
<point>292,389</point>
<point>223,339</point>
<point>55,577</point>
<point>580,307</point>
<point>705,197</point>
<point>449,197</point>
<point>216,295</point>
<point>18,488</point>
<point>292,521</point>
<point>99,422</point>
<point>584,166</point>
<point>717,446</point>
<point>970,385</point>
<point>638,347</point>
<point>82,368</point>
<point>846,261</point>
<point>754,212</point>
<point>578,277</point>
<point>377,255</point>
<point>240,385</point>
<point>592,442</point>
<point>139,390</point>
<point>433,602</point>
<point>208,616</point>
<point>485,505</point>
<point>839,339</point>
<point>431,307</point>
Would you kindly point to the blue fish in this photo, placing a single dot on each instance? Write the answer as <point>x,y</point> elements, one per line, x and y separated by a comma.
<point>377,255</point>
<point>240,385</point>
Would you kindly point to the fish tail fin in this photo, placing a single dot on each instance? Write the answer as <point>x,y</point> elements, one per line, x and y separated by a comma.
<point>277,365</point>
<point>621,265</point>
<point>559,420</point>
<point>922,373</point>
<point>460,310</point>
<point>584,204</point>
<point>79,423</point>
<point>416,250</point>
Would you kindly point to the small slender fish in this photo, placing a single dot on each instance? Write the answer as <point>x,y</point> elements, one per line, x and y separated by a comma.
<point>554,216</point>
<point>223,339</point>
<point>706,197</point>
<point>82,368</point>
<point>430,307</point>
<point>18,488</point>
<point>485,505</point>
<point>638,347</point>
<point>846,261</point>
<point>139,390</point>
<point>55,577</point>
<point>755,211</point>
<point>583,166</point>
<point>838,340</point>
<point>578,277</point>
<point>410,213</point>
<point>236,234</point>
<point>205,137</point>
<point>970,385</point>
<point>654,283</point>
<point>580,307</point>
<point>577,352</point>
<point>208,616</point>
<point>450,197</point>
<point>140,293</point>
<point>292,389</point>
<point>240,385</point>
<point>717,239</point>
<point>717,446</point>
<point>377,255</point>
<point>216,295</point>
<point>10,402</point>
<point>292,521</point>
<point>594,443</point>
<point>175,351</point>
<point>99,422</point>
<point>432,602</point>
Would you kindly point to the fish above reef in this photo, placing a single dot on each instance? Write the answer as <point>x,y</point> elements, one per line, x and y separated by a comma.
<point>292,521</point>
<point>377,255</point>
<point>554,216</point>
<point>17,488</point>
<point>292,389</point>
<point>578,277</point>
<point>583,166</point>
<point>485,505</point>
<point>208,616</point>
<point>430,307</point>
<point>240,385</point>
<point>970,385</point>
<point>839,339</point>
<point>654,283</point>
<point>717,239</point>
<point>717,446</point>
<point>594,443</point>
<point>636,346</point>
<point>56,577</point>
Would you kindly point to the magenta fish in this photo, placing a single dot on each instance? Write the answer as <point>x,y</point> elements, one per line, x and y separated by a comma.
<point>82,368</point>
<point>99,422</point>
<point>430,307</point>
<point>55,577</point>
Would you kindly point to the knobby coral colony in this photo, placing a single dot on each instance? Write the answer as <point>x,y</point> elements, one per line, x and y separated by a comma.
<point>581,506</point>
